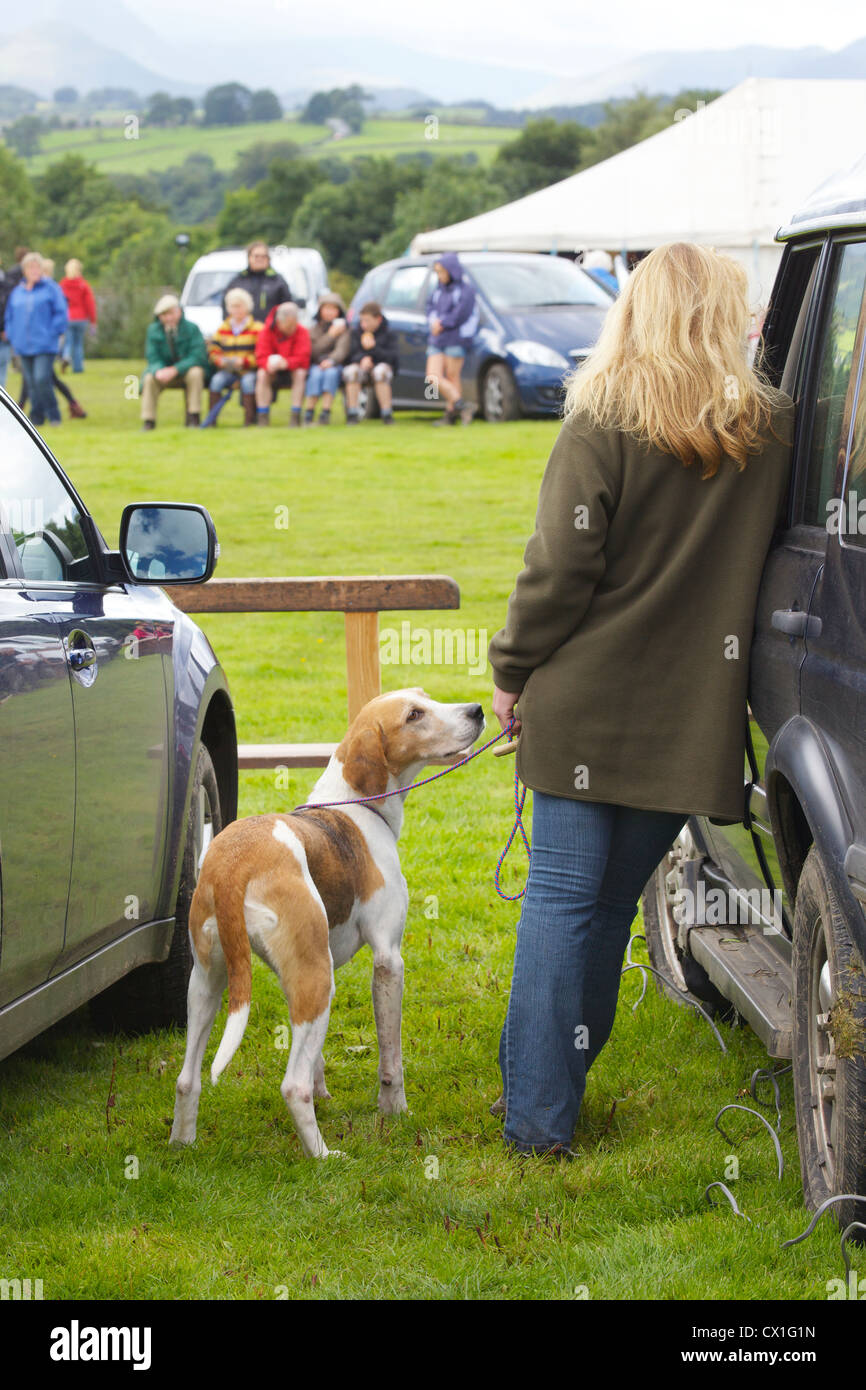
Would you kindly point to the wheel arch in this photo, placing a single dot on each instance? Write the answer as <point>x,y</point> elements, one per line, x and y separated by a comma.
<point>807,807</point>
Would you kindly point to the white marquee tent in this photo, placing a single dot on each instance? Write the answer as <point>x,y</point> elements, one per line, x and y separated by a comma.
<point>728,175</point>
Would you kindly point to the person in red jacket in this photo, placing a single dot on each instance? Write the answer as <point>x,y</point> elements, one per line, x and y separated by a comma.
<point>82,311</point>
<point>283,356</point>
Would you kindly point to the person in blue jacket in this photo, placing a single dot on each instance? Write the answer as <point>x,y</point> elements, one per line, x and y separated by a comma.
<point>36,318</point>
<point>452,318</point>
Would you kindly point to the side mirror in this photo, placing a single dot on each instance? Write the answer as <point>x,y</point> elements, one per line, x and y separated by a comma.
<point>167,543</point>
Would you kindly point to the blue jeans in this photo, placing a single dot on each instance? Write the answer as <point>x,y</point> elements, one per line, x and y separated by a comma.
<point>74,350</point>
<point>5,359</point>
<point>37,370</point>
<point>322,381</point>
<point>223,378</point>
<point>590,862</point>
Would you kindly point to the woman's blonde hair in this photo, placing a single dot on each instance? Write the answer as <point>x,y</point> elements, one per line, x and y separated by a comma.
<point>73,268</point>
<point>670,365</point>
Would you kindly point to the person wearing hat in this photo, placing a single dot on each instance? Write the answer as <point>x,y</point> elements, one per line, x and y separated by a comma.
<point>176,357</point>
<point>329,348</point>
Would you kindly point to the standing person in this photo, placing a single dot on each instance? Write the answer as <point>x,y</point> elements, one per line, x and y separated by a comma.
<point>655,515</point>
<point>232,352</point>
<point>176,358</point>
<point>267,287</point>
<point>76,409</point>
<point>372,358</point>
<point>329,348</point>
<point>599,264</point>
<point>5,345</point>
<point>452,316</point>
<point>283,356</point>
<point>82,311</point>
<point>36,318</point>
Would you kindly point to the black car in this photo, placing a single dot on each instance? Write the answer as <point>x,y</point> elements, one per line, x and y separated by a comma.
<point>539,316</point>
<point>788,945</point>
<point>118,753</point>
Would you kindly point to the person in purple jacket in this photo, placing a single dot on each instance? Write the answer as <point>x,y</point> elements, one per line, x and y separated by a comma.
<point>452,318</point>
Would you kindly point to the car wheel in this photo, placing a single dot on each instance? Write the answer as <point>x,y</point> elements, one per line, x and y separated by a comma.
<point>661,931</point>
<point>499,396</point>
<point>829,1042</point>
<point>154,995</point>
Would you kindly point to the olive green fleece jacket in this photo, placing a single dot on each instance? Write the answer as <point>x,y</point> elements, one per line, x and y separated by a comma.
<point>628,632</point>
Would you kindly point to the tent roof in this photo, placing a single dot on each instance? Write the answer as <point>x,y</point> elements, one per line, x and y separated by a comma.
<point>728,175</point>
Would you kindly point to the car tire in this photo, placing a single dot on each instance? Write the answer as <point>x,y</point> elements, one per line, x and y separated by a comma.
<point>829,1023</point>
<point>500,399</point>
<point>660,930</point>
<point>154,995</point>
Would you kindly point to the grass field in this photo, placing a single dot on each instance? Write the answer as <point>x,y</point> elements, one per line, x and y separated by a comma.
<point>425,1205</point>
<point>157,149</point>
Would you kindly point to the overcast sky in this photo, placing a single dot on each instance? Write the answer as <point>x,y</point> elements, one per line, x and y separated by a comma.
<point>551,34</point>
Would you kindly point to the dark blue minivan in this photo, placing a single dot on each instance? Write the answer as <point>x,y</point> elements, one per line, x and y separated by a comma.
<point>539,316</point>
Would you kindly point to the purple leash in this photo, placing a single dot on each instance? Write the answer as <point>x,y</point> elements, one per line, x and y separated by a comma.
<point>519,799</point>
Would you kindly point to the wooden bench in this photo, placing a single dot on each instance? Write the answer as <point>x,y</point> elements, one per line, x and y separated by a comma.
<point>360,598</point>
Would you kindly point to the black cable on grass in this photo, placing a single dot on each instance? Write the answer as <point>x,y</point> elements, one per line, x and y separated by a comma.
<point>693,1003</point>
<point>730,1196</point>
<point>764,1121</point>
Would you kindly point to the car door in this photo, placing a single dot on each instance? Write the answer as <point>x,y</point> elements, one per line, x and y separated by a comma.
<point>834,672</point>
<point>406,312</point>
<point>37,735</point>
<point>800,315</point>
<point>116,639</point>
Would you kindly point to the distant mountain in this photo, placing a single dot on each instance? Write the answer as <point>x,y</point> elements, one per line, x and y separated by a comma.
<point>722,68</point>
<point>57,55</point>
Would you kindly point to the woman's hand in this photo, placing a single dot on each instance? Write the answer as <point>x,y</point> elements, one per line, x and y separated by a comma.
<point>503,705</point>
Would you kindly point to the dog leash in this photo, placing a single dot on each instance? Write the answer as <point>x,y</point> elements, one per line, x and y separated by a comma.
<point>519,799</point>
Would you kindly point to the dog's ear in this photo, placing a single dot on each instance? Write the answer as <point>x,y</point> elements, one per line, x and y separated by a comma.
<point>365,763</point>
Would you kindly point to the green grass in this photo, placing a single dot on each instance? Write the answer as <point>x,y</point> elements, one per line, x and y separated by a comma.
<point>157,149</point>
<point>242,1214</point>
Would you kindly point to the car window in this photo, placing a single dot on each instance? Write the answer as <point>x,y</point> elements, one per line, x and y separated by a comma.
<point>835,362</point>
<point>38,512</point>
<point>374,286</point>
<point>208,287</point>
<point>405,287</point>
<point>541,282</point>
<point>854,510</point>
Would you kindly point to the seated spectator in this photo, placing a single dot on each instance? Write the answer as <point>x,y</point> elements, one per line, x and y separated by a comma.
<point>452,317</point>
<point>176,357</point>
<point>329,348</point>
<point>599,264</point>
<point>232,352</point>
<point>82,311</point>
<point>267,287</point>
<point>36,318</point>
<point>283,356</point>
<point>372,358</point>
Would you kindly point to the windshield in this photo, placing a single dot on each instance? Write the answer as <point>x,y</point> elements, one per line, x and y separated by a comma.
<point>533,284</point>
<point>208,287</point>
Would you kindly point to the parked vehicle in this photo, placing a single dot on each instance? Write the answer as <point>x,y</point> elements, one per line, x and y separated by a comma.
<point>788,953</point>
<point>118,753</point>
<point>301,267</point>
<point>540,315</point>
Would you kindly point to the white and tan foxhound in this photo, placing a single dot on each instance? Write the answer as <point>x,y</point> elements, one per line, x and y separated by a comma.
<point>305,891</point>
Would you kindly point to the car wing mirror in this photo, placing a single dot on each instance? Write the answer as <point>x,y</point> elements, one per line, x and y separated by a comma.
<point>167,543</point>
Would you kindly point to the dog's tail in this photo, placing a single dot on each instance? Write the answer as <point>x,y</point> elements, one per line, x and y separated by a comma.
<point>229,908</point>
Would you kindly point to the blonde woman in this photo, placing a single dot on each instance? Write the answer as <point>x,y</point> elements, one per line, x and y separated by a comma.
<point>624,656</point>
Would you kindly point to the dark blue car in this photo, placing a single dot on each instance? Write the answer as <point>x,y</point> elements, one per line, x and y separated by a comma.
<point>539,315</point>
<point>118,755</point>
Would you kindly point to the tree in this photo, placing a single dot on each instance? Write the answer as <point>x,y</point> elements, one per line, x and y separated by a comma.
<point>252,164</point>
<point>66,96</point>
<point>264,106</point>
<point>160,109</point>
<point>69,191</point>
<point>545,152</point>
<point>338,218</point>
<point>17,206</point>
<point>266,210</point>
<point>450,193</point>
<point>228,104</point>
<point>23,136</point>
<point>184,110</point>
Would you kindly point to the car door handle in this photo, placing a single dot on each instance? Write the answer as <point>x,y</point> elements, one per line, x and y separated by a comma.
<point>796,622</point>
